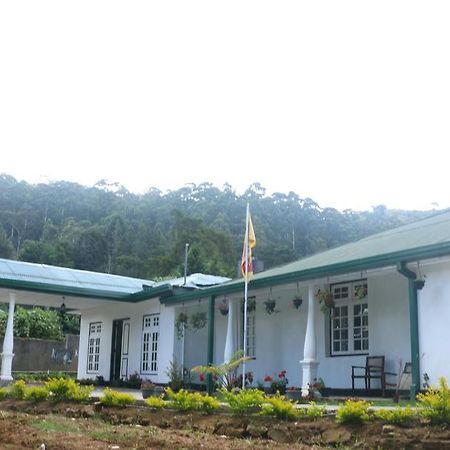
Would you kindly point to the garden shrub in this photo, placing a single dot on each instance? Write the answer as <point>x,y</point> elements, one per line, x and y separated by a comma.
<point>435,403</point>
<point>277,406</point>
<point>155,402</point>
<point>115,398</point>
<point>17,390</point>
<point>3,393</point>
<point>353,412</point>
<point>36,393</point>
<point>61,389</point>
<point>397,416</point>
<point>245,401</point>
<point>195,401</point>
<point>207,403</point>
<point>315,411</point>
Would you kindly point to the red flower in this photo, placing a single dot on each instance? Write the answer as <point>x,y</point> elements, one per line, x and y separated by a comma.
<point>267,378</point>
<point>201,377</point>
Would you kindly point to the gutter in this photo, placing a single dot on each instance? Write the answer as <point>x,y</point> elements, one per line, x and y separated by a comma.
<point>414,285</point>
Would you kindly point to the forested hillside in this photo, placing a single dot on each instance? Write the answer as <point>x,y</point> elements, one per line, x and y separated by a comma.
<point>108,229</point>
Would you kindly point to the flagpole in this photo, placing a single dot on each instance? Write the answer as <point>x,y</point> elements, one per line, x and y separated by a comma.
<point>246,240</point>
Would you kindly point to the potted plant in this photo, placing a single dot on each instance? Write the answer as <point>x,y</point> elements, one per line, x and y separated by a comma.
<point>277,383</point>
<point>198,320</point>
<point>294,393</point>
<point>251,304</point>
<point>325,298</point>
<point>147,388</point>
<point>181,324</point>
<point>270,305</point>
<point>361,291</point>
<point>297,301</point>
<point>223,307</point>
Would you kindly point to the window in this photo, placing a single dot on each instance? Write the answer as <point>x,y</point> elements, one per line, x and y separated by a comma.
<point>350,318</point>
<point>150,337</point>
<point>95,331</point>
<point>251,336</point>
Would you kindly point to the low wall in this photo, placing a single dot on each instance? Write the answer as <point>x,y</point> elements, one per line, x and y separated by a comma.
<point>31,355</point>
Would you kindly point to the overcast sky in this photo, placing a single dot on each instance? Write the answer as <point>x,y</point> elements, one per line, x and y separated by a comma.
<point>346,102</point>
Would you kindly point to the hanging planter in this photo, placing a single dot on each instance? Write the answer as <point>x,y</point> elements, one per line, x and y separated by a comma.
<point>181,324</point>
<point>251,304</point>
<point>297,301</point>
<point>223,307</point>
<point>361,291</point>
<point>270,303</point>
<point>325,298</point>
<point>198,320</point>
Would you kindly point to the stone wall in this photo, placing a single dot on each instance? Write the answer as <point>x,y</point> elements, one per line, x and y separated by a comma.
<point>31,355</point>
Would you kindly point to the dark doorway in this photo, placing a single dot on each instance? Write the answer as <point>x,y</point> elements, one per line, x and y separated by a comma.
<point>116,349</point>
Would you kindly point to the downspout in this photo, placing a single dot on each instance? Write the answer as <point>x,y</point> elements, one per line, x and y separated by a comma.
<point>414,285</point>
<point>210,356</point>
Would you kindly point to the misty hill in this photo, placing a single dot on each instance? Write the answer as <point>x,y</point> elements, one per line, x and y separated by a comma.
<point>105,228</point>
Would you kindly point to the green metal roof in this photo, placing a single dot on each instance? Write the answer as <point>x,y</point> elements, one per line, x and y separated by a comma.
<point>420,240</point>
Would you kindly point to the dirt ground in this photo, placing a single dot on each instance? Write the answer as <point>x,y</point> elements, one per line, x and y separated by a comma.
<point>66,426</point>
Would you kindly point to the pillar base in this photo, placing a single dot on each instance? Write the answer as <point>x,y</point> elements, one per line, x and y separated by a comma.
<point>6,375</point>
<point>309,374</point>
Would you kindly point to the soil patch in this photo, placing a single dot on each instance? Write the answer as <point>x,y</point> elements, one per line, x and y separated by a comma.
<point>68,426</point>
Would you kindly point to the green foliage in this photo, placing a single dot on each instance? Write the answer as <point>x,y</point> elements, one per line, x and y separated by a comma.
<point>435,403</point>
<point>36,393</point>
<point>315,411</point>
<point>175,374</point>
<point>397,416</point>
<point>114,398</point>
<point>3,393</point>
<point>42,376</point>
<point>277,406</point>
<point>17,390</point>
<point>61,389</point>
<point>351,411</point>
<point>242,402</point>
<point>192,401</point>
<point>155,402</point>
<point>225,373</point>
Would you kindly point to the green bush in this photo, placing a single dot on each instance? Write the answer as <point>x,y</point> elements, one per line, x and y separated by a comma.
<point>61,389</point>
<point>155,402</point>
<point>3,393</point>
<point>114,398</point>
<point>435,403</point>
<point>314,411</point>
<point>36,393</point>
<point>17,390</point>
<point>397,416</point>
<point>192,401</point>
<point>277,406</point>
<point>242,402</point>
<point>353,412</point>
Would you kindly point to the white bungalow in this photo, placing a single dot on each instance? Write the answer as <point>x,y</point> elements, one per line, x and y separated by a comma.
<point>391,295</point>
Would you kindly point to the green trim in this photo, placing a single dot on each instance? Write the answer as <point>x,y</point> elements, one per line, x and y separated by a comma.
<point>413,286</point>
<point>56,289</point>
<point>210,356</point>
<point>262,281</point>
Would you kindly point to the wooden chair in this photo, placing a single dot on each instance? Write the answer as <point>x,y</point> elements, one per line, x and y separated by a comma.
<point>373,370</point>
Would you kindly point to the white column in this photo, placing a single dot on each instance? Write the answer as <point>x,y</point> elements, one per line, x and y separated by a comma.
<point>310,363</point>
<point>231,343</point>
<point>8,342</point>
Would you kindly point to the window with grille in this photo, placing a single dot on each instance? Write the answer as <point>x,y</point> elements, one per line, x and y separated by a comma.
<point>95,331</point>
<point>150,337</point>
<point>350,318</point>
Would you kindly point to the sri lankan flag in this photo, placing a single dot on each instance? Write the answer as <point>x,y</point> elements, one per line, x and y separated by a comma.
<point>249,243</point>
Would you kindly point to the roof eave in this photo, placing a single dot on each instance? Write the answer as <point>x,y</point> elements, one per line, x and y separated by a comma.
<point>373,262</point>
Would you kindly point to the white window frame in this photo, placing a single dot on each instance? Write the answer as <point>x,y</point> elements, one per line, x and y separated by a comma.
<point>251,334</point>
<point>93,352</point>
<point>349,320</point>
<point>150,344</point>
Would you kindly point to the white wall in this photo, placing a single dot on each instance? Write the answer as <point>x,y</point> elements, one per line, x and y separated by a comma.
<point>135,313</point>
<point>434,322</point>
